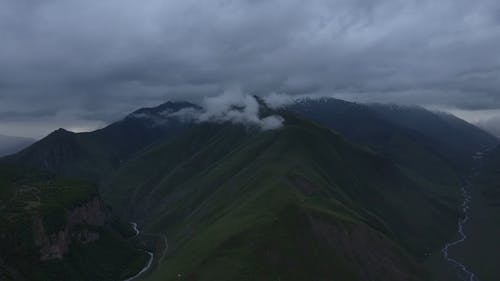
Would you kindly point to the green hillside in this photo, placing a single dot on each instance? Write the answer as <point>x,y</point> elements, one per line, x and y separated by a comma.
<point>434,145</point>
<point>299,203</point>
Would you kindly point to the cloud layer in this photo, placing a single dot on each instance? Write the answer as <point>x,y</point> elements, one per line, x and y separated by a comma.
<point>231,106</point>
<point>85,63</point>
<point>238,108</point>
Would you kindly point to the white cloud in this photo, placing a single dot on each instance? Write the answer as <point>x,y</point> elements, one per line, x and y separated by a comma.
<point>238,108</point>
<point>231,106</point>
<point>275,100</point>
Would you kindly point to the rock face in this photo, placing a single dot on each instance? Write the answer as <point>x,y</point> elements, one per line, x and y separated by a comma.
<point>79,228</point>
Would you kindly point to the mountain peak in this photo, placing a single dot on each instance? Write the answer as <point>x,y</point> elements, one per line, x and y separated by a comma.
<point>169,106</point>
<point>60,132</point>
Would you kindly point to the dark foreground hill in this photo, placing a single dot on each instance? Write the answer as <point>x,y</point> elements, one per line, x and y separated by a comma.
<point>54,229</point>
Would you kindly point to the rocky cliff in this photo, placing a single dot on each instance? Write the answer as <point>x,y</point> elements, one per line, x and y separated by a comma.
<point>80,227</point>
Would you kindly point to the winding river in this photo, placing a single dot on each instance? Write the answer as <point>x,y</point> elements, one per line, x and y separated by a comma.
<point>150,260</point>
<point>463,271</point>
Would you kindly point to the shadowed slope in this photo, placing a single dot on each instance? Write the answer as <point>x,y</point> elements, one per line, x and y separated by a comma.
<point>297,203</point>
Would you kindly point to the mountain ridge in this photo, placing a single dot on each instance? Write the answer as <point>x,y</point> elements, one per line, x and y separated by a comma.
<point>71,154</point>
<point>158,187</point>
<point>239,202</point>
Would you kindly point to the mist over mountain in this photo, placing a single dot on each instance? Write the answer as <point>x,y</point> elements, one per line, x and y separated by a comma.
<point>491,125</point>
<point>11,145</point>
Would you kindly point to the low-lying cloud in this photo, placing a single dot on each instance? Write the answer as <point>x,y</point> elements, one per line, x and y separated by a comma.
<point>232,106</point>
<point>238,108</point>
<point>277,101</point>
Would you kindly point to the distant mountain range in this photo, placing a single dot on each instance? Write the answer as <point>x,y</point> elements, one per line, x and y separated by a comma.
<point>341,191</point>
<point>93,155</point>
<point>379,127</point>
<point>11,145</point>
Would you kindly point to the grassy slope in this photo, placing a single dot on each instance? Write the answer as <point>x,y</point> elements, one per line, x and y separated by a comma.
<point>434,145</point>
<point>26,193</point>
<point>243,206</point>
<point>452,137</point>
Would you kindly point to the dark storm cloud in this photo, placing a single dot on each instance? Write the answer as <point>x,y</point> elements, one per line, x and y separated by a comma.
<point>89,62</point>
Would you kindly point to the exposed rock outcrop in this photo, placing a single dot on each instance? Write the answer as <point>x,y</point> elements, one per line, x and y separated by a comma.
<point>79,228</point>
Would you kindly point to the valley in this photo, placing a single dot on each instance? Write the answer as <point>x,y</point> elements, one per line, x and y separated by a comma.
<point>462,270</point>
<point>152,258</point>
<point>336,189</point>
<point>480,249</point>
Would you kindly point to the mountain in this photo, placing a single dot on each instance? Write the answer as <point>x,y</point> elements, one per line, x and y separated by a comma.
<point>10,145</point>
<point>341,190</point>
<point>414,137</point>
<point>455,138</point>
<point>298,203</point>
<point>489,176</point>
<point>93,155</point>
<point>57,229</point>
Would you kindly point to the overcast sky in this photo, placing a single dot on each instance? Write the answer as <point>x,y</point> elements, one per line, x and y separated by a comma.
<point>81,64</point>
